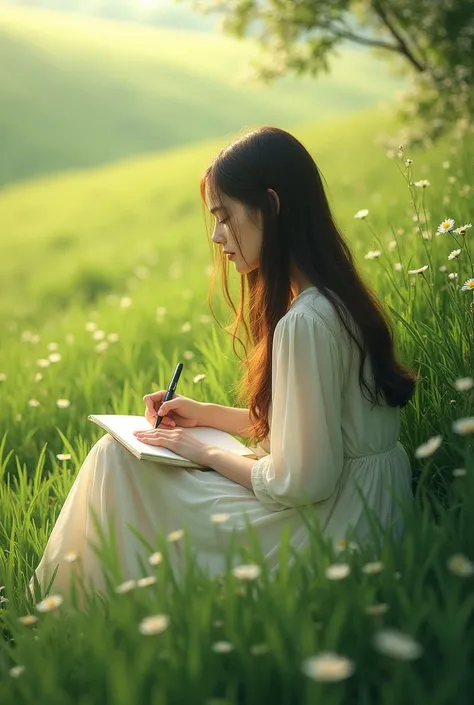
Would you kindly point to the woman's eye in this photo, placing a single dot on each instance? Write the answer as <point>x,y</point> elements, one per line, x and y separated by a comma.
<point>221,222</point>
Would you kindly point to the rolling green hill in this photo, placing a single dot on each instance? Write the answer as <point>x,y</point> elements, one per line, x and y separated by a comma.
<point>72,237</point>
<point>79,92</point>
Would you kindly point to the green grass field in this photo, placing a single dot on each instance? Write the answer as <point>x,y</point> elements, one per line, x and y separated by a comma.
<point>79,92</point>
<point>109,269</point>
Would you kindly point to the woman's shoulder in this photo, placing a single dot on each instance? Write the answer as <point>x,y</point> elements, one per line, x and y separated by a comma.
<point>313,303</point>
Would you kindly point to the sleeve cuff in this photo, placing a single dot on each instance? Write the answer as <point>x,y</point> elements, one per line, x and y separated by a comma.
<point>258,485</point>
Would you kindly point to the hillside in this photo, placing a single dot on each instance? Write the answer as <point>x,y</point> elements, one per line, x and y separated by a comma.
<point>83,234</point>
<point>78,92</point>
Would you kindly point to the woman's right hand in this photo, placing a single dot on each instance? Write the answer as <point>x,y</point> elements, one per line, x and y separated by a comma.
<point>178,411</point>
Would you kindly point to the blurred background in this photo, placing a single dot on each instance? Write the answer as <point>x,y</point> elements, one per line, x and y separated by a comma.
<point>110,113</point>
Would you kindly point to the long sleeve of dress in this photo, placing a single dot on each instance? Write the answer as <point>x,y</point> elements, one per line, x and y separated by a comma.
<point>306,445</point>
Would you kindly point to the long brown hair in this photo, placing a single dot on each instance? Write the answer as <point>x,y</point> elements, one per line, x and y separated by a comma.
<point>303,232</point>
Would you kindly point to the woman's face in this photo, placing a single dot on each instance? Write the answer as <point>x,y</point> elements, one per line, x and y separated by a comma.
<point>249,233</point>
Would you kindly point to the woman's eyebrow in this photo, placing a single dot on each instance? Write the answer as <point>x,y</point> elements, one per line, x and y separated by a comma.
<point>217,208</point>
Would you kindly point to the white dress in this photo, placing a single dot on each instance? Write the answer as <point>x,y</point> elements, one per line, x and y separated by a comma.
<point>330,453</point>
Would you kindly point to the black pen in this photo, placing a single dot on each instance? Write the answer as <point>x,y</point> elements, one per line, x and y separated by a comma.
<point>171,389</point>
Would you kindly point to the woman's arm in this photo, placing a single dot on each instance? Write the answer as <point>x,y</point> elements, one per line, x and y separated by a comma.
<point>227,418</point>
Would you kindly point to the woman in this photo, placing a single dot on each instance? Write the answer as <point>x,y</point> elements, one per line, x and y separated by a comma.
<point>319,342</point>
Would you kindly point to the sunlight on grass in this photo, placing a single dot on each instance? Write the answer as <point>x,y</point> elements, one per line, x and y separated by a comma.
<point>397,620</point>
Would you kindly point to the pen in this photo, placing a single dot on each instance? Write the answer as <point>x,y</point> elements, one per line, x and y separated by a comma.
<point>171,389</point>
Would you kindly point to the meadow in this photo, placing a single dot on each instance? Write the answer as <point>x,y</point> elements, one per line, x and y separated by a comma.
<point>78,92</point>
<point>106,281</point>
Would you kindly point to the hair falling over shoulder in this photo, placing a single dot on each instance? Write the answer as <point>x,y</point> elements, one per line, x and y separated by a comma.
<point>302,232</point>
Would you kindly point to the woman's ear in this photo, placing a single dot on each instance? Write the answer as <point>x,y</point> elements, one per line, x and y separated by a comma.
<point>275,195</point>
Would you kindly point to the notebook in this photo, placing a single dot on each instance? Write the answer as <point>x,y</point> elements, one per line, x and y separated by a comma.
<point>121,427</point>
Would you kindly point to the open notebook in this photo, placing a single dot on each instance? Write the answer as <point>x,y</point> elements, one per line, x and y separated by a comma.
<point>121,427</point>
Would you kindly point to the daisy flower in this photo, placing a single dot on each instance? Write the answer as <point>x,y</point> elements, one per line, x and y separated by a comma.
<point>154,625</point>
<point>420,270</point>
<point>372,254</point>
<point>428,448</point>
<point>247,572</point>
<point>337,571</point>
<point>362,214</point>
<point>328,666</point>
<point>468,285</point>
<point>446,226</point>
<point>462,229</point>
<point>423,183</point>
<point>454,253</point>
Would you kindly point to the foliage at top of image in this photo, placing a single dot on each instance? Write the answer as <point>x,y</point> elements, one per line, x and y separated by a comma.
<point>433,41</point>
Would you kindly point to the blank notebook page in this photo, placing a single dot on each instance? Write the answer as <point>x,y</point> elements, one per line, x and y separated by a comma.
<point>123,426</point>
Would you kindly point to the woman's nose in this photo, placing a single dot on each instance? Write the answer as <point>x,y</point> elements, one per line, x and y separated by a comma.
<point>216,237</point>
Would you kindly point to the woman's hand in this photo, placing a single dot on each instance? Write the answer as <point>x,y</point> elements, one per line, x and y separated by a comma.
<point>178,440</point>
<point>178,411</point>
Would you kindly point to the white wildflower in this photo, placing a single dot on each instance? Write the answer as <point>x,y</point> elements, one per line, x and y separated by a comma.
<point>16,671</point>
<point>460,565</point>
<point>146,581</point>
<point>372,254</point>
<point>176,535</point>
<point>222,647</point>
<point>155,624</point>
<point>395,644</point>
<point>126,586</point>
<point>155,558</point>
<point>328,666</point>
<point>28,619</point>
<point>462,229</point>
<point>247,572</point>
<point>468,285</point>
<point>337,571</point>
<point>419,270</point>
<point>50,603</point>
<point>372,568</point>
<point>63,403</point>
<point>219,518</point>
<point>428,448</point>
<point>464,384</point>
<point>446,226</point>
<point>464,426</point>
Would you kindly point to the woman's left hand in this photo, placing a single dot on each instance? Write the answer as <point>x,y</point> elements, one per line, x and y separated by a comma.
<point>179,440</point>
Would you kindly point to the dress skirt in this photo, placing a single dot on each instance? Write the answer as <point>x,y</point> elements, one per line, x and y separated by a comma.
<point>157,499</point>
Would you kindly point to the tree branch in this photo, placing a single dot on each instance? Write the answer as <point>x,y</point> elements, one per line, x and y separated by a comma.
<point>402,45</point>
<point>365,40</point>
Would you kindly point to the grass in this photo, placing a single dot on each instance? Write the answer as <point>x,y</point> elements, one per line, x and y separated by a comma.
<point>231,639</point>
<point>79,92</point>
